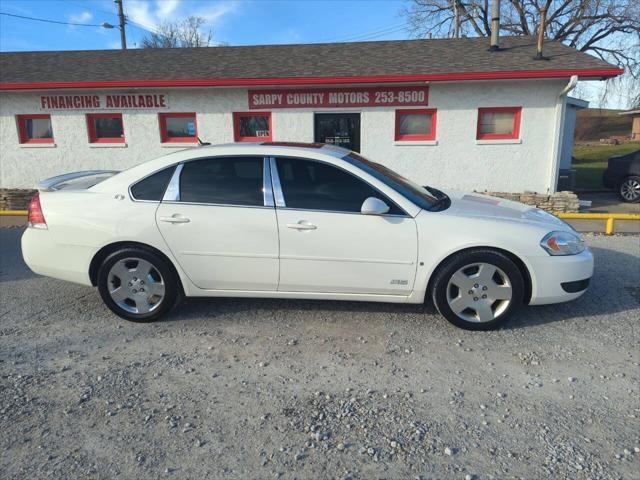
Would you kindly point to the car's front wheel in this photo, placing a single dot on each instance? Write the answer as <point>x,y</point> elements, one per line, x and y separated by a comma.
<point>630,189</point>
<point>137,284</point>
<point>478,289</point>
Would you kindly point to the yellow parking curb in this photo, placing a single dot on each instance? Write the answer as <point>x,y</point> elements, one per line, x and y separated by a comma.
<point>13,213</point>
<point>609,217</point>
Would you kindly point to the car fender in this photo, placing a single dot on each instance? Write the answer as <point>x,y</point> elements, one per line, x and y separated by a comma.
<point>519,240</point>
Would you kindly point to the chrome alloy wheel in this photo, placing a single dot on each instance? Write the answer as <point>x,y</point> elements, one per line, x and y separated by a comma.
<point>630,189</point>
<point>479,292</point>
<point>135,285</point>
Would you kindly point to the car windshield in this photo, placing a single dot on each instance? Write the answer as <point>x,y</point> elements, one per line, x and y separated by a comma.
<point>412,191</point>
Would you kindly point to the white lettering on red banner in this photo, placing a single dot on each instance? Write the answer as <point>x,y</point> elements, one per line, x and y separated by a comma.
<point>111,101</point>
<point>339,97</point>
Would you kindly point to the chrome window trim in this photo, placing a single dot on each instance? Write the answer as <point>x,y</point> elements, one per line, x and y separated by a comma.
<point>276,177</point>
<point>277,188</point>
<point>178,202</point>
<point>172,193</point>
<point>267,185</point>
<point>393,215</point>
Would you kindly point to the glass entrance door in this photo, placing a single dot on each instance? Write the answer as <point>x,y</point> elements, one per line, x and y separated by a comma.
<point>339,129</point>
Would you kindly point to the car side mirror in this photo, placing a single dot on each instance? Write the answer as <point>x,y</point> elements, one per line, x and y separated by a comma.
<point>374,206</point>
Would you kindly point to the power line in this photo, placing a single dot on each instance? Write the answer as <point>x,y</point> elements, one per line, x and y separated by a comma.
<point>86,4</point>
<point>376,32</point>
<point>368,35</point>
<point>382,34</point>
<point>372,34</point>
<point>52,21</point>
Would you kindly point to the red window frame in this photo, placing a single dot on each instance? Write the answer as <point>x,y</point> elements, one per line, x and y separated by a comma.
<point>91,128</point>
<point>236,127</point>
<point>22,128</point>
<point>164,138</point>
<point>517,113</point>
<point>417,111</point>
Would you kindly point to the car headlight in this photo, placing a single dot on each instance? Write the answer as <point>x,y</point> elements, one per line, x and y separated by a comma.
<point>562,243</point>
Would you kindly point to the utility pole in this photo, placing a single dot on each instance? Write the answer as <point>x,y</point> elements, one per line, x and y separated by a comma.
<point>123,36</point>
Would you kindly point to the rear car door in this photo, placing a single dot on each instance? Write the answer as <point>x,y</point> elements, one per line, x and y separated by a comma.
<point>218,219</point>
<point>327,244</point>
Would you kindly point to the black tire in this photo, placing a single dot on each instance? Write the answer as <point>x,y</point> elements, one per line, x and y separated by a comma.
<point>441,288</point>
<point>168,279</point>
<point>629,189</point>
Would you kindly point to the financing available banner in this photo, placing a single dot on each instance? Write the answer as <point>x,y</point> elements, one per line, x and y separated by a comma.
<point>115,101</point>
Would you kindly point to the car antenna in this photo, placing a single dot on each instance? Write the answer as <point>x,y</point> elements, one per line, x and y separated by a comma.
<point>202,144</point>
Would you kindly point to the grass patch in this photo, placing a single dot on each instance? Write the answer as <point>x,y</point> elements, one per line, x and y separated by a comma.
<point>592,124</point>
<point>590,161</point>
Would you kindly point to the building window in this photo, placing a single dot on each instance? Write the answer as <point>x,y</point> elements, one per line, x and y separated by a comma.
<point>105,128</point>
<point>252,127</point>
<point>35,128</point>
<point>498,123</point>
<point>416,124</point>
<point>178,127</point>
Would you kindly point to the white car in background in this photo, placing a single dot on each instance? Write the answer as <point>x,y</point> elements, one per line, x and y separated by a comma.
<point>286,220</point>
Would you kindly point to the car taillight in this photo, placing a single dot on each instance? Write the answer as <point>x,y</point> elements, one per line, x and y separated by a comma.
<point>36,217</point>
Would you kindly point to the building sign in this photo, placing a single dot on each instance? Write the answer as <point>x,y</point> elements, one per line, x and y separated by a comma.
<point>339,97</point>
<point>115,101</point>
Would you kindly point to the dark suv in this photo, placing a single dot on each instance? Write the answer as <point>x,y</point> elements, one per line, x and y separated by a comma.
<point>623,175</point>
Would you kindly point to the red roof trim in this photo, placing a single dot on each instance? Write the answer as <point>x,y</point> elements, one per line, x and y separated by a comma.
<point>245,82</point>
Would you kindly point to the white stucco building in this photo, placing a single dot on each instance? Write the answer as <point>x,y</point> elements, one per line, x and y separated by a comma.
<point>448,113</point>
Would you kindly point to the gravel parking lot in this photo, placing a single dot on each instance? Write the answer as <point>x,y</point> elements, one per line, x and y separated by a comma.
<point>232,388</point>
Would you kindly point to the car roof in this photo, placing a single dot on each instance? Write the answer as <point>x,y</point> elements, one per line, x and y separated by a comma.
<point>314,151</point>
<point>267,149</point>
<point>332,150</point>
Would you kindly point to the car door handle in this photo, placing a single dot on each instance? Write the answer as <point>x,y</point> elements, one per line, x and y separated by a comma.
<point>302,225</point>
<point>176,218</point>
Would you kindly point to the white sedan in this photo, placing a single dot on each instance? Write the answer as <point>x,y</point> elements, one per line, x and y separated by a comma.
<point>286,220</point>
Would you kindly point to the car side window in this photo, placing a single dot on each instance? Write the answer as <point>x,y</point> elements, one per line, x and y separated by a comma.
<point>311,185</point>
<point>223,181</point>
<point>152,188</point>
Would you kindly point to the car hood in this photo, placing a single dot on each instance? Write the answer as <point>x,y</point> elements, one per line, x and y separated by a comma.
<point>475,205</point>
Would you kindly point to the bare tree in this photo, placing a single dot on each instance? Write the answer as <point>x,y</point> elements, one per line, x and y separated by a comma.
<point>609,29</point>
<point>180,34</point>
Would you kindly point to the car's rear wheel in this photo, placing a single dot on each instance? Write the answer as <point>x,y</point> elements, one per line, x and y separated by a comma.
<point>630,189</point>
<point>137,284</point>
<point>478,289</point>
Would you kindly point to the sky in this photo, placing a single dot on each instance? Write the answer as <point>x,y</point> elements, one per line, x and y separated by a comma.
<point>236,22</point>
<point>233,22</point>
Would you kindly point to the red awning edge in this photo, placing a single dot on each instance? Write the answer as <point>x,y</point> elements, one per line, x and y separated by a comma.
<point>601,73</point>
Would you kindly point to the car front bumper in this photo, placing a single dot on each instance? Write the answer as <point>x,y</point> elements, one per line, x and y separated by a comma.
<point>561,278</point>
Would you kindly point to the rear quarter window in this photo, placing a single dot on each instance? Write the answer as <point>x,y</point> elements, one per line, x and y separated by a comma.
<point>152,187</point>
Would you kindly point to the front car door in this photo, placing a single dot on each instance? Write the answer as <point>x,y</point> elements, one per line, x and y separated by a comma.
<point>218,219</point>
<point>326,243</point>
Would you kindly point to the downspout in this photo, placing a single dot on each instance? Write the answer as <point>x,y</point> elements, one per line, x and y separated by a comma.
<point>573,81</point>
<point>561,107</point>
